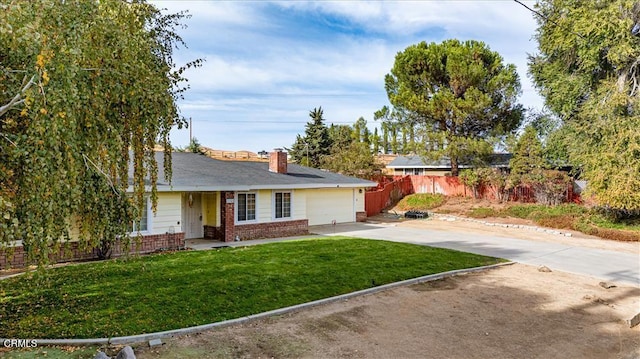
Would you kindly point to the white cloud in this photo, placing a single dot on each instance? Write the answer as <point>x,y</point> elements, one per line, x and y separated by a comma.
<point>262,77</point>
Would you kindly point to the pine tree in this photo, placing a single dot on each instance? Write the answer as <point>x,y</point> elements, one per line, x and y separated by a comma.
<point>310,149</point>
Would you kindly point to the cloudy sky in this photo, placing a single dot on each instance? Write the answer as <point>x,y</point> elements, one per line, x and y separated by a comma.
<point>269,63</point>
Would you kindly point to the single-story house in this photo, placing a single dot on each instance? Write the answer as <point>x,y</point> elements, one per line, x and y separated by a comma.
<point>418,165</point>
<point>228,201</point>
<point>240,200</point>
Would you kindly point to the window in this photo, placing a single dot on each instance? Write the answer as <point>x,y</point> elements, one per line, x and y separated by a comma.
<point>283,205</point>
<point>246,207</point>
<point>143,224</point>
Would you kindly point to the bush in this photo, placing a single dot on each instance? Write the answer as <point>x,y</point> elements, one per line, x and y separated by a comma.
<point>565,221</point>
<point>616,234</point>
<point>618,215</point>
<point>481,212</point>
<point>520,211</point>
<point>421,202</point>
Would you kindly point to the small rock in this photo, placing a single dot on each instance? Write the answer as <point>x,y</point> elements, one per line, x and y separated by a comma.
<point>606,285</point>
<point>567,234</point>
<point>101,355</point>
<point>155,342</point>
<point>126,353</point>
<point>544,269</point>
<point>634,321</point>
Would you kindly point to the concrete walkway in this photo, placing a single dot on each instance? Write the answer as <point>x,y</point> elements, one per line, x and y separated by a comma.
<point>606,265</point>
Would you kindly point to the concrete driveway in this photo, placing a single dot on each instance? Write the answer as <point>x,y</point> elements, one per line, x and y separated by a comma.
<point>607,265</point>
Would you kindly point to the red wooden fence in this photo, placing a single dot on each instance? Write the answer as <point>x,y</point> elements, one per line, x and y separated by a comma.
<point>387,194</point>
<point>390,191</point>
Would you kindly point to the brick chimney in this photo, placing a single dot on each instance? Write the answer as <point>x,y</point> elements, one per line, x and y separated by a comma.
<point>278,161</point>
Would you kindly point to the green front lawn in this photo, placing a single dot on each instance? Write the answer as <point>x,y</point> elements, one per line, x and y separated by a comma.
<point>169,291</point>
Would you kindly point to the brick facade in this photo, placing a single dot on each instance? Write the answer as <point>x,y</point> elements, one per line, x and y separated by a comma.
<point>227,213</point>
<point>361,216</point>
<point>72,251</point>
<point>211,232</point>
<point>272,229</point>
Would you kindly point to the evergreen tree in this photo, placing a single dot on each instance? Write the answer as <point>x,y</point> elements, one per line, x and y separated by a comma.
<point>310,149</point>
<point>527,161</point>
<point>460,95</point>
<point>354,160</point>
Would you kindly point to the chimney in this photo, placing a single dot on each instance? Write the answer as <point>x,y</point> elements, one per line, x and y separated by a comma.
<point>278,161</point>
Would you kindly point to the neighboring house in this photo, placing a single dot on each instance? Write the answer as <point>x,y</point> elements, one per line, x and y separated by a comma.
<point>417,165</point>
<point>239,200</point>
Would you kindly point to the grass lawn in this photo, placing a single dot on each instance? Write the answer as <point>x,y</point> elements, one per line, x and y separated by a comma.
<point>175,290</point>
<point>421,202</point>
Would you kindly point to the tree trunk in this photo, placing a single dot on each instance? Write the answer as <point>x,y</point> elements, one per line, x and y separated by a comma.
<point>454,166</point>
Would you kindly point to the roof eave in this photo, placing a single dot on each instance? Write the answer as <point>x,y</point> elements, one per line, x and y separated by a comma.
<point>237,188</point>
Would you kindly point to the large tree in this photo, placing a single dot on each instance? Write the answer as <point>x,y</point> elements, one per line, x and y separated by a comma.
<point>588,70</point>
<point>459,95</point>
<point>86,87</point>
<point>310,149</point>
<point>356,159</point>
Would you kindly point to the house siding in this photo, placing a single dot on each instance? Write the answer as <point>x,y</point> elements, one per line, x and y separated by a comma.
<point>299,204</point>
<point>168,217</point>
<point>263,206</point>
<point>359,199</point>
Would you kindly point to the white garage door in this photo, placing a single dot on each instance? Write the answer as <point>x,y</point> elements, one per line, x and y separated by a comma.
<point>327,205</point>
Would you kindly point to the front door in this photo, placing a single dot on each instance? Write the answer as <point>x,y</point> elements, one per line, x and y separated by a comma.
<point>192,204</point>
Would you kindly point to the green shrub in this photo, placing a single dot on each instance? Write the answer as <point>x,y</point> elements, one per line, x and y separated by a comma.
<point>421,201</point>
<point>537,212</point>
<point>520,211</point>
<point>481,212</point>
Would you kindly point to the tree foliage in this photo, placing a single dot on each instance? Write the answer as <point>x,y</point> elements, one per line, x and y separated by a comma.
<point>588,71</point>
<point>86,87</point>
<point>310,149</point>
<point>459,95</point>
<point>354,160</point>
<point>527,160</point>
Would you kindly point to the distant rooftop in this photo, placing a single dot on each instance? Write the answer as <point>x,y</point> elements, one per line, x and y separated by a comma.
<point>495,160</point>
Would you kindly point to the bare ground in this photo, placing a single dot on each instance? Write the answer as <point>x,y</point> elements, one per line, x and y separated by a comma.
<point>510,312</point>
<point>516,311</point>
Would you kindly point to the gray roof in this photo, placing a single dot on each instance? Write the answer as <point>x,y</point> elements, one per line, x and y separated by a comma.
<point>494,160</point>
<point>195,172</point>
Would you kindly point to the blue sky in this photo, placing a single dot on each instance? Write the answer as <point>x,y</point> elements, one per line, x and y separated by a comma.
<point>269,63</point>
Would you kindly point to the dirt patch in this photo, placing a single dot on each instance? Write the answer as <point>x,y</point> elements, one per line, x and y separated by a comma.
<point>513,312</point>
<point>440,284</point>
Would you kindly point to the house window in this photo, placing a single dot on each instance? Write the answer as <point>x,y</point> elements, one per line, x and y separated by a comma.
<point>283,205</point>
<point>143,224</point>
<point>246,207</point>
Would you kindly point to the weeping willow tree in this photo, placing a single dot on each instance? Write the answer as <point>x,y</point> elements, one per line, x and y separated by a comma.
<point>588,70</point>
<point>86,87</point>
